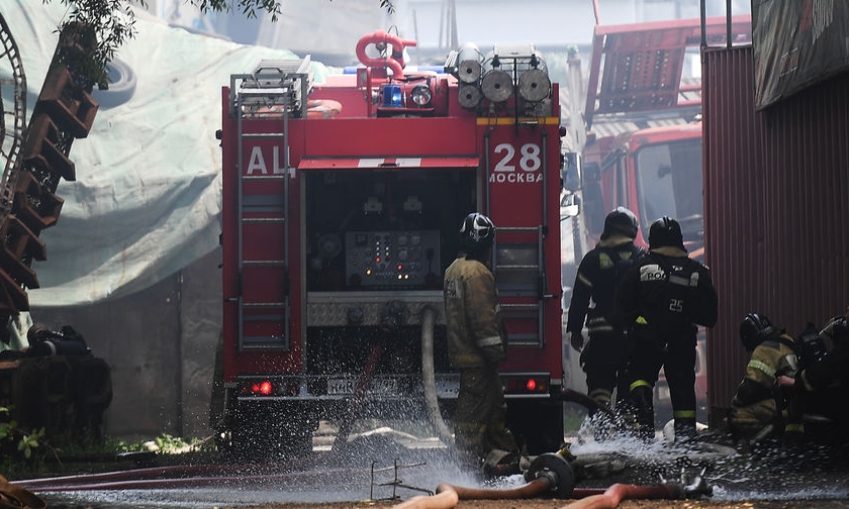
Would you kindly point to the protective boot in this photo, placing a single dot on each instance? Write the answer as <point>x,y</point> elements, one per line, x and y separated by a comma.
<point>642,399</point>
<point>685,428</point>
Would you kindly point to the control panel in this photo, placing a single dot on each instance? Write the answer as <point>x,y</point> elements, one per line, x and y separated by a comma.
<point>393,259</point>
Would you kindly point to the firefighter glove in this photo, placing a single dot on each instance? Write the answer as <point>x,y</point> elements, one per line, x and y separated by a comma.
<point>577,340</point>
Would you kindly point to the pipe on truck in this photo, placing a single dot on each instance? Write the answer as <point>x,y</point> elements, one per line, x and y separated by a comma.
<point>429,378</point>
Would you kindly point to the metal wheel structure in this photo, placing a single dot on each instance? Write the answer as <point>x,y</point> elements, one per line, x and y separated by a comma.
<point>12,116</point>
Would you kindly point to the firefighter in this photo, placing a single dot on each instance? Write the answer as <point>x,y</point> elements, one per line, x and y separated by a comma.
<point>757,409</point>
<point>663,297</point>
<point>822,380</point>
<point>477,345</point>
<point>600,271</point>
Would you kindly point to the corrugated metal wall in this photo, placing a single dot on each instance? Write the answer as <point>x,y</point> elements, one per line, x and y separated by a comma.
<point>776,186</point>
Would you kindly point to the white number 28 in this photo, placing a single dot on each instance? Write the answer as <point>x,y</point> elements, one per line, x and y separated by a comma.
<point>529,159</point>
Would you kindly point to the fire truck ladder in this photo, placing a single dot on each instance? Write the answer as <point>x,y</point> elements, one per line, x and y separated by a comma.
<point>529,286</point>
<point>277,90</point>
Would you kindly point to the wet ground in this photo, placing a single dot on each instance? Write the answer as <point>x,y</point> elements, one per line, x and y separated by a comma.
<point>383,468</point>
<point>625,504</point>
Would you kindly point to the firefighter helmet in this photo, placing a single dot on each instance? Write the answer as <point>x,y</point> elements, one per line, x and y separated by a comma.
<point>477,232</point>
<point>754,329</point>
<point>810,347</point>
<point>665,232</point>
<point>622,221</point>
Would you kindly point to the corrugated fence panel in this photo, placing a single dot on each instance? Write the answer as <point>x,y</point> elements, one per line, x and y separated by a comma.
<point>776,186</point>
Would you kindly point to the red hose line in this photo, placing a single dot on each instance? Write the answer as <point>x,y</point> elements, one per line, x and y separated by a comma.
<point>141,473</point>
<point>68,484</point>
<point>172,471</point>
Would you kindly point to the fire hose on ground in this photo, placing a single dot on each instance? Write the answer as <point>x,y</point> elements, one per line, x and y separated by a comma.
<point>176,478</point>
<point>551,475</point>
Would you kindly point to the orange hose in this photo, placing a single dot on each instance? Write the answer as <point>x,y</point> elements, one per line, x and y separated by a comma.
<point>617,492</point>
<point>533,489</point>
<point>446,499</point>
<point>447,496</point>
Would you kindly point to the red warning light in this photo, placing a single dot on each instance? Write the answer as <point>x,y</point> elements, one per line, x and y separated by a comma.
<point>263,388</point>
<point>400,267</point>
<point>531,384</point>
<point>377,259</point>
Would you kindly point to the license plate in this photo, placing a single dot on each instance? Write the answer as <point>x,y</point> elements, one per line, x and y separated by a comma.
<point>378,386</point>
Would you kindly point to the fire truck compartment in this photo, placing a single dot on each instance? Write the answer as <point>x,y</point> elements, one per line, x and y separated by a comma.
<point>383,230</point>
<point>378,242</point>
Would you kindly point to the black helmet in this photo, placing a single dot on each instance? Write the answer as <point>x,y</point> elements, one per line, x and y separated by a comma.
<point>620,220</point>
<point>810,346</point>
<point>665,232</point>
<point>476,233</point>
<point>754,329</point>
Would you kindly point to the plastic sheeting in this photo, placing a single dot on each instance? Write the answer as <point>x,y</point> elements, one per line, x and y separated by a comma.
<point>797,44</point>
<point>147,199</point>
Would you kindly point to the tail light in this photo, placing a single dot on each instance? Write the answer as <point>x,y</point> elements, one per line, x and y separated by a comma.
<point>526,384</point>
<point>265,387</point>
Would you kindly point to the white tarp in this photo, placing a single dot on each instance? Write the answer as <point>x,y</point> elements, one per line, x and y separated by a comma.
<point>147,199</point>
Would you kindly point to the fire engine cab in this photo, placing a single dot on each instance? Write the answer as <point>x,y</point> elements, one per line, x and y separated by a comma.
<point>342,203</point>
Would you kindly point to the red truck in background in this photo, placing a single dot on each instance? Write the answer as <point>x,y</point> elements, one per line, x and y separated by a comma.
<point>341,208</point>
<point>637,143</point>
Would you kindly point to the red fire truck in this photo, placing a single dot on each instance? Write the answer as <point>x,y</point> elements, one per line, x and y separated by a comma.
<point>341,208</point>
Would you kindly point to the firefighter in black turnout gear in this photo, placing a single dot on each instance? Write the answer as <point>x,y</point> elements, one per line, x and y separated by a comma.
<point>603,267</point>
<point>663,297</point>
<point>820,385</point>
